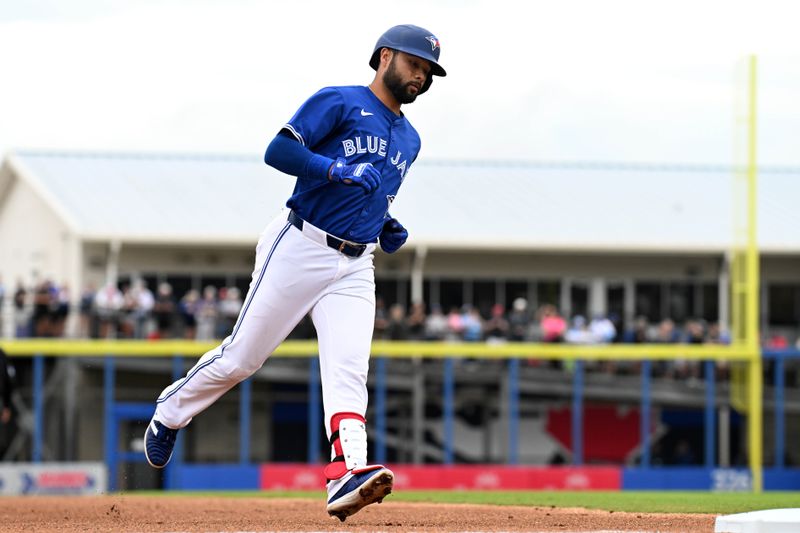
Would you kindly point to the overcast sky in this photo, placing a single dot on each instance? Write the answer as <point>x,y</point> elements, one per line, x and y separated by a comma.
<point>635,81</point>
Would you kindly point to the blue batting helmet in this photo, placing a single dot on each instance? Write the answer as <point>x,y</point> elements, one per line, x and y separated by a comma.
<point>411,40</point>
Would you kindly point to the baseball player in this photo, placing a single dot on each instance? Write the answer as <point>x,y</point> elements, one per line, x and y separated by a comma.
<point>350,149</point>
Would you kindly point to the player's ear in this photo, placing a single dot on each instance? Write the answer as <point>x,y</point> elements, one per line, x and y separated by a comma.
<point>386,56</point>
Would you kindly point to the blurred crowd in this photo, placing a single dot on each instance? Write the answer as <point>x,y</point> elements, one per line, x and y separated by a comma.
<point>133,311</point>
<point>519,323</point>
<point>546,324</point>
<point>130,312</point>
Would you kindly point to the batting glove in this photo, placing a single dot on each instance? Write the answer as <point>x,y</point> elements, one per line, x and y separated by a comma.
<point>362,174</point>
<point>393,236</point>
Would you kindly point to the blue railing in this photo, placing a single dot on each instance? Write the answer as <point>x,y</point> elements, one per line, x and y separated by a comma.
<point>780,357</point>
<point>117,412</point>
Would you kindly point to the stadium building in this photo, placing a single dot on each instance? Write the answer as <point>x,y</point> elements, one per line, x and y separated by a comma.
<point>591,238</point>
<point>625,240</point>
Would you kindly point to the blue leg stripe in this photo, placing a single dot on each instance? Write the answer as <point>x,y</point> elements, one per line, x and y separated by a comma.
<point>238,322</point>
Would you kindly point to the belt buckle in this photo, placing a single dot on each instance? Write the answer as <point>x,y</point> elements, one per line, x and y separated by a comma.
<point>357,249</point>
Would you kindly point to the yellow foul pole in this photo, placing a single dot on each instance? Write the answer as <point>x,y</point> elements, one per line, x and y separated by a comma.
<point>755,392</point>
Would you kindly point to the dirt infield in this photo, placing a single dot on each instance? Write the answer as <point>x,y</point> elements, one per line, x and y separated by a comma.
<point>186,513</point>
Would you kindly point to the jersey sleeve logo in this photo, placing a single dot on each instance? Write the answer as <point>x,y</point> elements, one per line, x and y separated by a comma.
<point>366,113</point>
<point>434,42</point>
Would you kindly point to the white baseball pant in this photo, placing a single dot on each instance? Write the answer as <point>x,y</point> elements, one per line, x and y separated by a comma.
<point>295,272</point>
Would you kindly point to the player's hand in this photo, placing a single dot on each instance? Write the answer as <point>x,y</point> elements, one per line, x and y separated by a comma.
<point>393,236</point>
<point>362,174</point>
<point>5,415</point>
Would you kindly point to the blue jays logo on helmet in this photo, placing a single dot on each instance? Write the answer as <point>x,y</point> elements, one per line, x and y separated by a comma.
<point>409,39</point>
<point>434,42</point>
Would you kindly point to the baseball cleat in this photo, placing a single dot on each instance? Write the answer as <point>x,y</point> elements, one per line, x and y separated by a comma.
<point>359,491</point>
<point>159,440</point>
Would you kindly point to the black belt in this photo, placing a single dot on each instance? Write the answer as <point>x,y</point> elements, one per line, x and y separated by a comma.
<point>348,248</point>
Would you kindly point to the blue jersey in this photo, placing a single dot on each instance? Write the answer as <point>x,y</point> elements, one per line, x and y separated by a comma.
<point>351,122</point>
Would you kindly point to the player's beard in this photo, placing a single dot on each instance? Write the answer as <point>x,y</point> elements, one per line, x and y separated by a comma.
<point>396,85</point>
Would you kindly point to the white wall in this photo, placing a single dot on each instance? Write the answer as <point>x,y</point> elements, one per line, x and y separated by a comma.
<point>34,243</point>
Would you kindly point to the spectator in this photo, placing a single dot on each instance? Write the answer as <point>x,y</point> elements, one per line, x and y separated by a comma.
<point>716,335</point>
<point>397,328</point>
<point>497,327</point>
<point>602,329</point>
<point>666,332</point>
<point>381,320</point>
<point>640,332</point>
<point>143,309</point>
<point>519,320</point>
<point>695,332</point>
<point>21,313</point>
<point>777,341</point>
<point>472,324</point>
<point>619,327</point>
<point>436,328</point>
<point>416,322</point>
<point>59,309</point>
<point>579,332</point>
<point>108,304</point>
<point>86,325</point>
<point>207,314</point>
<point>164,311</point>
<point>126,321</point>
<point>229,306</point>
<point>552,324</point>
<point>41,310</point>
<point>455,324</point>
<point>188,311</point>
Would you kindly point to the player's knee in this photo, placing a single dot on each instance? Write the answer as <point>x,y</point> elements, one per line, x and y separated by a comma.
<point>235,370</point>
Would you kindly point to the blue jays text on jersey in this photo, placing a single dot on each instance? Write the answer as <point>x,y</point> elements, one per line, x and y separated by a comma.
<point>351,122</point>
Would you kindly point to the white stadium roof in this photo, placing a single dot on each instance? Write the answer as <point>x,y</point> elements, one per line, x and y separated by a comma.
<point>180,199</point>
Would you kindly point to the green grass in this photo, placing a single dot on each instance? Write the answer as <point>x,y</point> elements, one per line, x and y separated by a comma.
<point>652,502</point>
<point>645,501</point>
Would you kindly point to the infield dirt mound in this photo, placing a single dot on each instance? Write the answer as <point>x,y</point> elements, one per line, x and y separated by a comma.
<point>205,514</point>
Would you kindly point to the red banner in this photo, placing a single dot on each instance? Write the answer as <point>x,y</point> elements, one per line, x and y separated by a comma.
<point>610,433</point>
<point>467,477</point>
